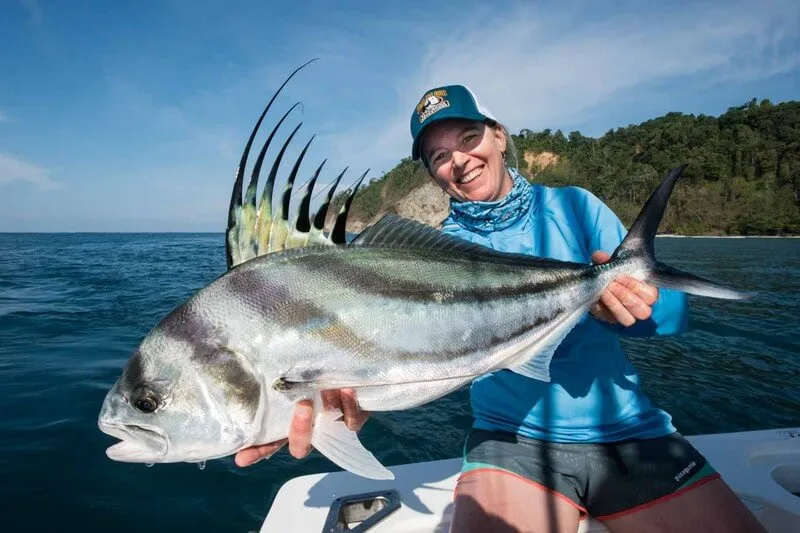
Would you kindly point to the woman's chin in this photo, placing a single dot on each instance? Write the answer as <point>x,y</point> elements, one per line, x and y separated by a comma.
<point>476,190</point>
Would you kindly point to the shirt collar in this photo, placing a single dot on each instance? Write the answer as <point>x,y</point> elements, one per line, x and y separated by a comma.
<point>498,215</point>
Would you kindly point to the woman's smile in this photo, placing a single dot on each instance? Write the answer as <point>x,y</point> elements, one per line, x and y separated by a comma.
<point>470,176</point>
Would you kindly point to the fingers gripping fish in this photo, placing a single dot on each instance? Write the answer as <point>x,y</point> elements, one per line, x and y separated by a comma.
<point>403,313</point>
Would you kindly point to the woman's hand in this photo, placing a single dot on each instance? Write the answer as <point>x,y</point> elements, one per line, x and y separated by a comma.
<point>626,300</point>
<point>300,430</point>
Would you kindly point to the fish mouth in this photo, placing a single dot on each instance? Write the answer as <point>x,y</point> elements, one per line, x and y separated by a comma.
<point>139,444</point>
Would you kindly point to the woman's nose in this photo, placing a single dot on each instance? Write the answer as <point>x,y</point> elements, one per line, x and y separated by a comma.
<point>459,158</point>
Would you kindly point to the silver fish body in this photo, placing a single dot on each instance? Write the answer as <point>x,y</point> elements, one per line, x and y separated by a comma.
<point>402,325</point>
<point>375,317</point>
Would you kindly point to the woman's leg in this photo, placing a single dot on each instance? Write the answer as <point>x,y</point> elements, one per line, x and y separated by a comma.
<point>496,501</point>
<point>709,507</point>
<point>662,485</point>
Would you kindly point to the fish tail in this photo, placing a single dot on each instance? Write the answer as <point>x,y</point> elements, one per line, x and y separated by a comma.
<point>640,240</point>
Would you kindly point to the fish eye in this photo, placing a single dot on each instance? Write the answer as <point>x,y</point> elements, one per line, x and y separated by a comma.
<point>146,403</point>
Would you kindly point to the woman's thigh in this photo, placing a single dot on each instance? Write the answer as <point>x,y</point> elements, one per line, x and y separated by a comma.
<point>496,501</point>
<point>708,508</point>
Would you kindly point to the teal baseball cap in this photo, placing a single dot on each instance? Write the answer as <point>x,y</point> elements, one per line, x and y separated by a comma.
<point>449,101</point>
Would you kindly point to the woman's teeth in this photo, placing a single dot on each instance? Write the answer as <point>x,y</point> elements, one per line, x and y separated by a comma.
<point>471,176</point>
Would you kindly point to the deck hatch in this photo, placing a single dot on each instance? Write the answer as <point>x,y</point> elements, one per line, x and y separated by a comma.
<point>359,512</point>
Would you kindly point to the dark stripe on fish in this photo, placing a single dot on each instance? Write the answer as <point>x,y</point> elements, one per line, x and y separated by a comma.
<point>342,270</point>
<point>186,325</point>
<point>255,291</point>
<point>307,377</point>
<point>208,349</point>
<point>275,302</point>
<point>132,375</point>
<point>225,366</point>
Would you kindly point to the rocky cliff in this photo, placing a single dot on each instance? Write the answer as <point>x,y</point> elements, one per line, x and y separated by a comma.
<point>427,204</point>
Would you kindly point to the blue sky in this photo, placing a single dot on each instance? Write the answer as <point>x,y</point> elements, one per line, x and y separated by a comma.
<point>131,116</point>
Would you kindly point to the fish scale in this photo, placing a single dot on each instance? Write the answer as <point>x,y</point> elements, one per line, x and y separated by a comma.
<point>439,323</point>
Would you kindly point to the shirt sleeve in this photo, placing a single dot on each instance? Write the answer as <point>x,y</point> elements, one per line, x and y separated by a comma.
<point>605,232</point>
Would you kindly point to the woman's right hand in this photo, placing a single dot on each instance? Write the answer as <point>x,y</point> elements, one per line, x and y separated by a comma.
<point>302,422</point>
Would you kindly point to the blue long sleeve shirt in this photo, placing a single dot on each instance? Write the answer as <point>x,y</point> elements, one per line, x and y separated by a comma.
<point>595,393</point>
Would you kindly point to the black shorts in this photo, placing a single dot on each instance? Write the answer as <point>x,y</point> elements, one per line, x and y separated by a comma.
<point>603,480</point>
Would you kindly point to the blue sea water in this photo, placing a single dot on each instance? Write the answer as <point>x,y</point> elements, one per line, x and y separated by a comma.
<point>73,306</point>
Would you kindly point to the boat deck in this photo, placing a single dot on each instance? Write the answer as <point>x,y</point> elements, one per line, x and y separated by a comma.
<point>763,467</point>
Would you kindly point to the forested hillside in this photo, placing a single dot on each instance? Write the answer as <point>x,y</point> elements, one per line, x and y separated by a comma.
<point>743,176</point>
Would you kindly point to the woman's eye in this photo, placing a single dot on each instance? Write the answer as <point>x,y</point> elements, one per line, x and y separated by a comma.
<point>146,404</point>
<point>468,139</point>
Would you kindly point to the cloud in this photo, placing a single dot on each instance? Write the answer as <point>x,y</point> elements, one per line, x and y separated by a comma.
<point>3,117</point>
<point>557,69</point>
<point>14,169</point>
<point>540,68</point>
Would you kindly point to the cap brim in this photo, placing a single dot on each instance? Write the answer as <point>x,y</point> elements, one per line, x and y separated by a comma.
<point>415,145</point>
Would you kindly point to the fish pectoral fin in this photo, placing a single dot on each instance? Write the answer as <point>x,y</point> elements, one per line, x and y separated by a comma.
<point>538,366</point>
<point>333,440</point>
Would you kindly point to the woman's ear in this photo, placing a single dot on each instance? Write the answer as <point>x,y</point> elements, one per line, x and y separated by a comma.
<point>499,137</point>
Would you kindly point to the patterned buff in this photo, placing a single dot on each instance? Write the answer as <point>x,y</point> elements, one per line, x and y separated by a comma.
<point>499,215</point>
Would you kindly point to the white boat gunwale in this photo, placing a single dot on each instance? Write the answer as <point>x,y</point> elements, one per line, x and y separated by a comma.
<point>762,466</point>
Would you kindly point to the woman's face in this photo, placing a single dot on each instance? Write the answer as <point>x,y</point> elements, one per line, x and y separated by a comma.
<point>465,158</point>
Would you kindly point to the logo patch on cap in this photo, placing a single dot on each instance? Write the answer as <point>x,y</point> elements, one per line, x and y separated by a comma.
<point>431,103</point>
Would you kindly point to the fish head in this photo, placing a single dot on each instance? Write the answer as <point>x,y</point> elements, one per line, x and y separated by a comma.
<point>181,399</point>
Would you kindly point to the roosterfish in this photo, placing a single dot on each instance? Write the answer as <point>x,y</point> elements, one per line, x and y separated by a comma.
<point>402,313</point>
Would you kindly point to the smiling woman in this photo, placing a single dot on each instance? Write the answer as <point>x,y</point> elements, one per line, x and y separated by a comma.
<point>542,456</point>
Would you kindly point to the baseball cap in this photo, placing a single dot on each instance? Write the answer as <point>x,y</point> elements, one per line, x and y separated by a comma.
<point>449,101</point>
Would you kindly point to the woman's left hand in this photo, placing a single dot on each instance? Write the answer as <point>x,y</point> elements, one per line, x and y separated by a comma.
<point>626,300</point>
<point>300,429</point>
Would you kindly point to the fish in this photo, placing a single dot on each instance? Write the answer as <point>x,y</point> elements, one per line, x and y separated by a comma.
<point>402,313</point>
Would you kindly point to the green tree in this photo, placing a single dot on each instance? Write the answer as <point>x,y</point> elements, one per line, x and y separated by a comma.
<point>743,175</point>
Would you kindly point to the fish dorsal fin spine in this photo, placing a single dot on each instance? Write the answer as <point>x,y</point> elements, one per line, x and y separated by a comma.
<point>255,228</point>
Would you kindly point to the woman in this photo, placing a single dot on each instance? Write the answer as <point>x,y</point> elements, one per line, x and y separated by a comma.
<point>542,456</point>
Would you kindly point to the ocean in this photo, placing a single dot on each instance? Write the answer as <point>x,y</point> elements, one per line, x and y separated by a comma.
<point>74,306</point>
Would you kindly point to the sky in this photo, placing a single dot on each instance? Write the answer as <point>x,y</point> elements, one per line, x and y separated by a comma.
<point>132,116</point>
